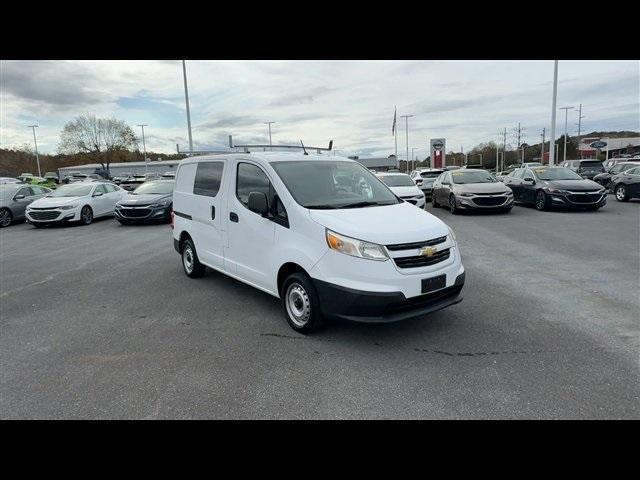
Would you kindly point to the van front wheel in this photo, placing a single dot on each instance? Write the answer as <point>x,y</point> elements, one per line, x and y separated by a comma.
<point>301,303</point>
<point>192,266</point>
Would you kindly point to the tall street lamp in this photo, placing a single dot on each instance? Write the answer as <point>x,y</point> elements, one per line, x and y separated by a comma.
<point>270,144</point>
<point>406,122</point>
<point>566,112</point>
<point>144,146</point>
<point>35,143</point>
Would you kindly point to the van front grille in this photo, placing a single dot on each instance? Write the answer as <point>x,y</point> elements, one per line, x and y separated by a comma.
<point>414,245</point>
<point>422,260</point>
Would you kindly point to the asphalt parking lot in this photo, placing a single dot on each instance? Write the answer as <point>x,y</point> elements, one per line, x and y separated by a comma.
<point>100,322</point>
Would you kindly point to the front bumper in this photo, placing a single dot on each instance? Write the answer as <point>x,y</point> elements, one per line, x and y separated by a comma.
<point>485,202</point>
<point>383,307</point>
<point>52,216</point>
<point>578,200</point>
<point>142,214</point>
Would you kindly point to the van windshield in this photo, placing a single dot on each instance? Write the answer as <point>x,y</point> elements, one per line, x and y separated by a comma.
<point>330,184</point>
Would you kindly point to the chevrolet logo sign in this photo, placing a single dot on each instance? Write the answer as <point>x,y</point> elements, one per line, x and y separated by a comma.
<point>428,251</point>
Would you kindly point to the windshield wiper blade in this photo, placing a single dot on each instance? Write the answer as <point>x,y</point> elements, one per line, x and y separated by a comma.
<point>364,204</point>
<point>321,207</point>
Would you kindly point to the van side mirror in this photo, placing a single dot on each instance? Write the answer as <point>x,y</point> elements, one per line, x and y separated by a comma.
<point>258,203</point>
<point>18,197</point>
<point>97,194</point>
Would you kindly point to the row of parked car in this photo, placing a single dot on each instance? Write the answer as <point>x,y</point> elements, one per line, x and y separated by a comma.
<point>577,184</point>
<point>82,202</point>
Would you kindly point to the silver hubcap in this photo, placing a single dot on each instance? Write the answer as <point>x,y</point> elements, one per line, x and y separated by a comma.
<point>298,304</point>
<point>187,259</point>
<point>620,193</point>
<point>86,215</point>
<point>5,218</point>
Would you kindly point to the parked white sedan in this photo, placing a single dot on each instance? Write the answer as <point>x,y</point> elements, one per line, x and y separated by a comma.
<point>75,202</point>
<point>405,188</point>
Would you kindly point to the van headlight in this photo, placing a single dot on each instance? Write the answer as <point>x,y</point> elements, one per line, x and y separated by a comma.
<point>354,247</point>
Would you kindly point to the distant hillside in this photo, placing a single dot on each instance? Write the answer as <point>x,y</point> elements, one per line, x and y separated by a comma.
<point>622,134</point>
<point>15,162</point>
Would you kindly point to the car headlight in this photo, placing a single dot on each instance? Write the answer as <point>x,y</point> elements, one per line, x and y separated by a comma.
<point>159,204</point>
<point>556,190</point>
<point>354,247</point>
<point>68,207</point>
<point>464,194</point>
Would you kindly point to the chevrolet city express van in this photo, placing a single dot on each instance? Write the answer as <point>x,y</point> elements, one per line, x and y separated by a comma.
<point>321,233</point>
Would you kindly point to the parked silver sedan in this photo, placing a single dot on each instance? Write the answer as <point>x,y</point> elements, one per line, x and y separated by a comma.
<point>14,198</point>
<point>471,189</point>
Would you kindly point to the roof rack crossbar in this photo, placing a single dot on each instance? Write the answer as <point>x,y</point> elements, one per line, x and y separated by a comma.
<point>298,147</point>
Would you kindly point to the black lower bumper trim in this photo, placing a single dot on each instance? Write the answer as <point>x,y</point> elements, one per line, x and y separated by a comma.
<point>381,307</point>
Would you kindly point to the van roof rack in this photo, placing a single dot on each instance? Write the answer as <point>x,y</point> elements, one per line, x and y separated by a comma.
<point>297,147</point>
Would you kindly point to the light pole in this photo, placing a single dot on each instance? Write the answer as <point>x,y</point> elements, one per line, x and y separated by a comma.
<point>406,123</point>
<point>553,113</point>
<point>413,158</point>
<point>566,113</point>
<point>144,146</point>
<point>269,123</point>
<point>186,99</point>
<point>35,143</point>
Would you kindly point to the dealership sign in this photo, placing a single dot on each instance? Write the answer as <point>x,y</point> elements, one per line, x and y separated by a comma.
<point>438,146</point>
<point>598,144</point>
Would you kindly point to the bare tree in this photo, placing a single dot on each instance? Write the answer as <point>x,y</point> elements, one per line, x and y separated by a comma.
<point>89,134</point>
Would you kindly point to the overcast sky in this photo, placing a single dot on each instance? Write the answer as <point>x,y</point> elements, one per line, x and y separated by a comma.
<point>351,102</point>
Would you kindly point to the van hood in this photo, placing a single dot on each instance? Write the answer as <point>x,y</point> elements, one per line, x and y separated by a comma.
<point>50,202</point>
<point>409,191</point>
<point>384,225</point>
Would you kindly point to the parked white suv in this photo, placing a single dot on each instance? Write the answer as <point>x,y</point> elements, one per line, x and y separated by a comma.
<point>404,187</point>
<point>321,233</point>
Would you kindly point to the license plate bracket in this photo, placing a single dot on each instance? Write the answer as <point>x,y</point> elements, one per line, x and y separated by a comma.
<point>434,283</point>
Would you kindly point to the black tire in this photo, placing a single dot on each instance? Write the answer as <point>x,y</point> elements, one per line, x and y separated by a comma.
<point>541,201</point>
<point>190,263</point>
<point>301,304</point>
<point>621,193</point>
<point>86,215</point>
<point>434,203</point>
<point>6,217</point>
<point>452,205</point>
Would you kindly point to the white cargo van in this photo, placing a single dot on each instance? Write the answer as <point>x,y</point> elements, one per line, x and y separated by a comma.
<point>321,233</point>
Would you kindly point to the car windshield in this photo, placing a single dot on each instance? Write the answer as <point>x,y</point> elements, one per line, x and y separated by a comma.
<point>150,188</point>
<point>333,184</point>
<point>72,191</point>
<point>472,176</point>
<point>433,175</point>
<point>397,180</point>
<point>555,174</point>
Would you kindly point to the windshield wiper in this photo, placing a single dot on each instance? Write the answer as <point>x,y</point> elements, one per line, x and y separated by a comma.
<point>322,207</point>
<point>365,204</point>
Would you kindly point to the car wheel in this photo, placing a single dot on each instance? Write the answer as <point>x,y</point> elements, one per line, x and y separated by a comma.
<point>434,203</point>
<point>541,200</point>
<point>452,205</point>
<point>192,266</point>
<point>301,303</point>
<point>6,217</point>
<point>86,215</point>
<point>621,193</point>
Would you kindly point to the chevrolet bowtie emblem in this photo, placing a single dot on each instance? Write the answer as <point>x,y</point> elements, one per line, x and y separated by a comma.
<point>428,251</point>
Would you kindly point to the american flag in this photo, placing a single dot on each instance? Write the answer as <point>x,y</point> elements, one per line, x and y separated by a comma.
<point>393,128</point>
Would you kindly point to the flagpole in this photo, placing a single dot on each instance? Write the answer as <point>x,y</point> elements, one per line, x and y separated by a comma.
<point>395,136</point>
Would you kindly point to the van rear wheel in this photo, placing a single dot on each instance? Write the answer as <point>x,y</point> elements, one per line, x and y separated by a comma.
<point>301,303</point>
<point>192,266</point>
